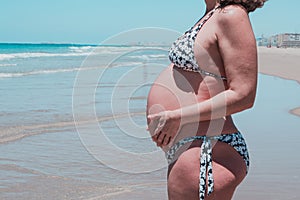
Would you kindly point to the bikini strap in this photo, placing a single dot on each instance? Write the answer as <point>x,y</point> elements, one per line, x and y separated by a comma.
<point>203,22</point>
<point>197,29</point>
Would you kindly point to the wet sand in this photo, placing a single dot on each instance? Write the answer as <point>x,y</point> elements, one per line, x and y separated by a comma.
<point>52,164</point>
<point>55,165</point>
<point>295,111</point>
<point>279,62</point>
<point>283,63</point>
<point>11,134</point>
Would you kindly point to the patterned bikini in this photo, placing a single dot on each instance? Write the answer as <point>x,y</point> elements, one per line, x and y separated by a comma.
<point>182,56</point>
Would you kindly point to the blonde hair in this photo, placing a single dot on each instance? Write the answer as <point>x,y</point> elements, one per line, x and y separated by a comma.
<point>249,5</point>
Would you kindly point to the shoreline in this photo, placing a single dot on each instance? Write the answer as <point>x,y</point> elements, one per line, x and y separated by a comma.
<point>8,135</point>
<point>295,111</point>
<point>280,63</point>
<point>57,165</point>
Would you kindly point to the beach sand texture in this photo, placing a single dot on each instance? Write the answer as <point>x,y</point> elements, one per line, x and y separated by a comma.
<point>283,63</point>
<point>47,160</point>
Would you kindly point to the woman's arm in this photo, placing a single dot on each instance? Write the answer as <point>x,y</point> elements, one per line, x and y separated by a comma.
<point>237,47</point>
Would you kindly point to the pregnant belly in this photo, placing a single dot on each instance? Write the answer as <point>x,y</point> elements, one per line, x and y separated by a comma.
<point>170,91</point>
<point>175,88</point>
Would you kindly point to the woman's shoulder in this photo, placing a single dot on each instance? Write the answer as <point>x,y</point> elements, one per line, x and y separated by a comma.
<point>232,15</point>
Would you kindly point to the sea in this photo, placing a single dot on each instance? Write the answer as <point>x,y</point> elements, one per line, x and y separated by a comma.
<point>73,126</point>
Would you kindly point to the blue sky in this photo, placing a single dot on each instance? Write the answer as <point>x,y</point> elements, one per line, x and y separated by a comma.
<point>92,21</point>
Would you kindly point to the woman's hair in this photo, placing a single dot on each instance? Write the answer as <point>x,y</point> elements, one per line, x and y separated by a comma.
<point>249,5</point>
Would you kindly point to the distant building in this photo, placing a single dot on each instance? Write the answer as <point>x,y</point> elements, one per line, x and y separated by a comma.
<point>285,40</point>
<point>273,41</point>
<point>262,41</point>
<point>288,40</point>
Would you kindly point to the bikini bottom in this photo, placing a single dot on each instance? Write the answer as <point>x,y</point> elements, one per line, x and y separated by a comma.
<point>235,140</point>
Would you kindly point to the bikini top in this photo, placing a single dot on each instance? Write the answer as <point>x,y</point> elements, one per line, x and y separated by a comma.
<point>181,53</point>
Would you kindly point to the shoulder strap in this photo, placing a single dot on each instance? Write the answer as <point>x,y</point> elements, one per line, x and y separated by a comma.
<point>197,29</point>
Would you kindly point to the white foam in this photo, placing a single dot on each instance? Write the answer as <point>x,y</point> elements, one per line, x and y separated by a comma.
<point>7,65</point>
<point>38,55</point>
<point>127,64</point>
<point>53,71</point>
<point>81,49</point>
<point>73,54</point>
<point>12,75</point>
<point>148,57</point>
<point>162,56</point>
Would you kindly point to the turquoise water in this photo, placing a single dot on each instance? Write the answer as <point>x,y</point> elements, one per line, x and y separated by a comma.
<point>42,155</point>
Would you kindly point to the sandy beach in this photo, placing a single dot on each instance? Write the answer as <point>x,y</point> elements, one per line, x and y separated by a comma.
<point>43,155</point>
<point>283,63</point>
<point>280,62</point>
<point>75,80</point>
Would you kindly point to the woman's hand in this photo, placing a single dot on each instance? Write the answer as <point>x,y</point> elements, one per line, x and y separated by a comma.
<point>163,127</point>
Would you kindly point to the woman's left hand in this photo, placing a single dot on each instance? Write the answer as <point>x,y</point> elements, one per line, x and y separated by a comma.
<point>163,127</point>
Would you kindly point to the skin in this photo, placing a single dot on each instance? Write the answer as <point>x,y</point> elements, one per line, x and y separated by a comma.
<point>183,104</point>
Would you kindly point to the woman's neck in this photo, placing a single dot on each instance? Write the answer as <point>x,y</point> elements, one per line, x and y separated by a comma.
<point>210,4</point>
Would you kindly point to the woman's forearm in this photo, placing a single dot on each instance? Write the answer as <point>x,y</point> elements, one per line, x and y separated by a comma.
<point>219,106</point>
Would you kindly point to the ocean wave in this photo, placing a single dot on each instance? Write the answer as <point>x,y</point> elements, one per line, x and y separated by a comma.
<point>9,134</point>
<point>8,65</point>
<point>75,51</point>
<point>38,55</point>
<point>126,50</point>
<point>148,57</point>
<point>13,75</point>
<point>113,50</point>
<point>82,49</point>
<point>126,64</point>
<point>54,71</point>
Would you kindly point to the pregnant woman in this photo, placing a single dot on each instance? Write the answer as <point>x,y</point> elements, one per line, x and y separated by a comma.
<point>213,74</point>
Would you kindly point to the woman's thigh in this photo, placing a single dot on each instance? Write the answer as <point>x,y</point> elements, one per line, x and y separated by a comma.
<point>229,170</point>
